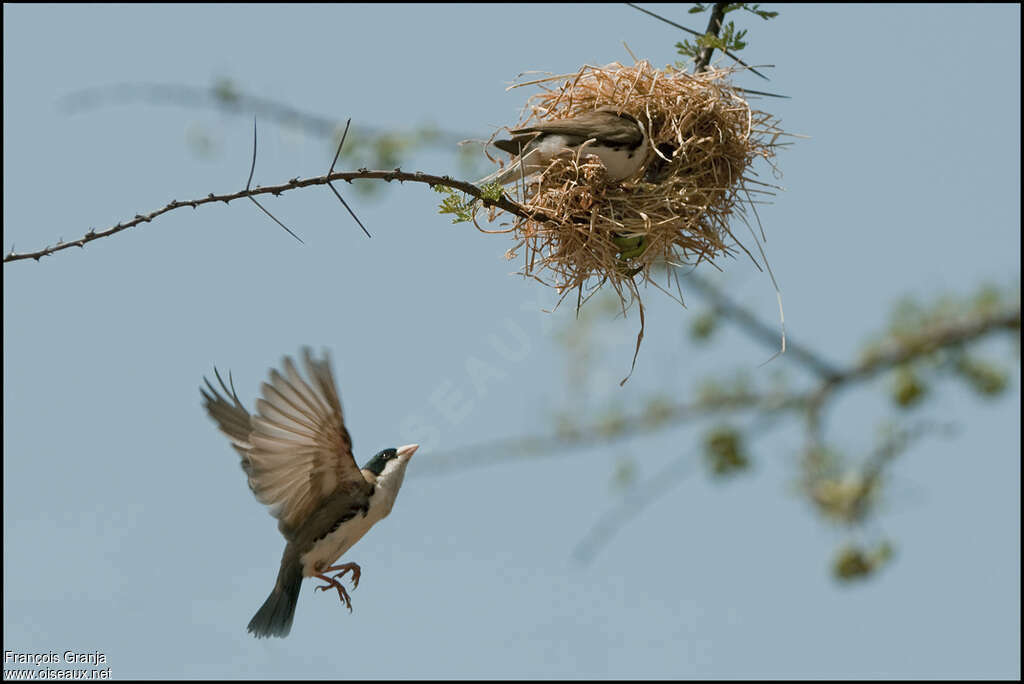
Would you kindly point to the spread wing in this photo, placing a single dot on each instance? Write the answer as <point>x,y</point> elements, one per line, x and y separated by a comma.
<point>603,124</point>
<point>295,450</point>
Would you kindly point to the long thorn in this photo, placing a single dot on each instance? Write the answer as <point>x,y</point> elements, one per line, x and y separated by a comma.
<point>696,33</point>
<point>248,184</point>
<point>331,185</point>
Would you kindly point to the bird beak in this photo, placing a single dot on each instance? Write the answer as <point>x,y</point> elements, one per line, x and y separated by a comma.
<point>406,452</point>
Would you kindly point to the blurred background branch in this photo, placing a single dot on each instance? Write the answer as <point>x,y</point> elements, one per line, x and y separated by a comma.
<point>922,343</point>
<point>366,145</point>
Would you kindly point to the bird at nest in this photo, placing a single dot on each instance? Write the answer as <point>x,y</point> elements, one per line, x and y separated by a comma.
<point>618,138</point>
<point>297,455</point>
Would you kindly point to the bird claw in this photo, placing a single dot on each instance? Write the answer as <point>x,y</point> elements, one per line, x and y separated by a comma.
<point>341,590</point>
<point>335,583</point>
<point>356,572</point>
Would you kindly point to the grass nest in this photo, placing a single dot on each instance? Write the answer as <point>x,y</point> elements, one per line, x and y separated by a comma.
<point>703,139</point>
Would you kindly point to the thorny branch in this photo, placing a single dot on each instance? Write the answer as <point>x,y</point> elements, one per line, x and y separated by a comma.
<point>711,25</point>
<point>397,174</point>
<point>248,185</point>
<point>714,26</point>
<point>334,189</point>
<point>224,96</point>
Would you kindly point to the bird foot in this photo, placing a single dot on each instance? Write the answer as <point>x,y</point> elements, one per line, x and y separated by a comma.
<point>333,581</point>
<point>347,567</point>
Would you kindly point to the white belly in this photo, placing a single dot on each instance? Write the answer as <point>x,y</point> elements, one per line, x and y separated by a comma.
<point>330,548</point>
<point>621,163</point>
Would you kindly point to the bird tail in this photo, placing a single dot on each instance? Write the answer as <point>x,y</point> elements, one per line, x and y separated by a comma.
<point>501,176</point>
<point>274,618</point>
<point>520,166</point>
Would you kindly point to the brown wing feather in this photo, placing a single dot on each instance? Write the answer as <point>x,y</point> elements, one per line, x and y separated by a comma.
<point>231,417</point>
<point>296,451</point>
<point>514,146</point>
<point>603,124</point>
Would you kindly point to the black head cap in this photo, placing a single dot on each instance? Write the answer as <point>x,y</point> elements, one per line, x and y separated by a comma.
<point>376,464</point>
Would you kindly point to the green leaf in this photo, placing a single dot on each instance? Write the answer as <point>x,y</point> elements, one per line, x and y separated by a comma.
<point>855,562</point>
<point>492,191</point>
<point>687,49</point>
<point>455,203</point>
<point>984,377</point>
<point>755,9</point>
<point>724,452</point>
<point>908,388</point>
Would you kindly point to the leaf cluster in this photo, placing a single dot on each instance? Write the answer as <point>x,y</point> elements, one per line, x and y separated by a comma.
<point>731,38</point>
<point>917,325</point>
<point>462,206</point>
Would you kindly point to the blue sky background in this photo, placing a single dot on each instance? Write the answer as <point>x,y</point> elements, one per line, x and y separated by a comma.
<point>128,528</point>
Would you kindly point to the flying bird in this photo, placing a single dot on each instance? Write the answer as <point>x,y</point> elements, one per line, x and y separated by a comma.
<point>297,455</point>
<point>617,138</point>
